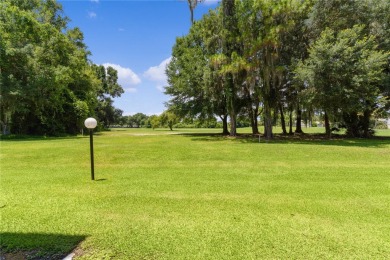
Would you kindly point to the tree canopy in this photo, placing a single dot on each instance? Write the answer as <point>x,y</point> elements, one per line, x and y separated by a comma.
<point>247,60</point>
<point>48,85</point>
<point>265,58</point>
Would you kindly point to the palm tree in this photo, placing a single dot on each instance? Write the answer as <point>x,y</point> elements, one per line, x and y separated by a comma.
<point>192,5</point>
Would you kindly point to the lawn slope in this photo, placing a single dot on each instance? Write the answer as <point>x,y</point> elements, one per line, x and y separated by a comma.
<point>188,195</point>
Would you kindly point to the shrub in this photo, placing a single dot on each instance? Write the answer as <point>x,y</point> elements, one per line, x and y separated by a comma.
<point>380,125</point>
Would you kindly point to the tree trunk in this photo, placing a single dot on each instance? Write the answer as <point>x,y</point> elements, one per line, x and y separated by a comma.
<point>233,124</point>
<point>298,128</point>
<point>253,115</point>
<point>267,121</point>
<point>290,123</point>
<point>366,123</point>
<point>192,7</point>
<point>267,95</point>
<point>230,88</point>
<point>327,125</point>
<point>306,121</point>
<point>229,25</point>
<point>351,121</point>
<point>4,127</point>
<point>225,130</point>
<point>282,119</point>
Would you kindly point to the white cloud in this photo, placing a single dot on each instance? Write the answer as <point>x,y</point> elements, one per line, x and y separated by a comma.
<point>121,29</point>
<point>126,77</point>
<point>95,1</point>
<point>210,2</point>
<point>157,74</point>
<point>161,87</point>
<point>131,90</point>
<point>92,14</point>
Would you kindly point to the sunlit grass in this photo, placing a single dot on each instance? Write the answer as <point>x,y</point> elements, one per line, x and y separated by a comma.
<point>175,195</point>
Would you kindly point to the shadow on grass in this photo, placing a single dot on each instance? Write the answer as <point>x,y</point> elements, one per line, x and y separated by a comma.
<point>37,246</point>
<point>307,139</point>
<point>17,138</point>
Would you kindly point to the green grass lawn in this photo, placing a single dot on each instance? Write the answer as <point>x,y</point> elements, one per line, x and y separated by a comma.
<point>192,194</point>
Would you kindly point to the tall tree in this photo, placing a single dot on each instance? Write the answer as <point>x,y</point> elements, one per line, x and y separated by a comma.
<point>246,59</point>
<point>47,83</point>
<point>372,16</point>
<point>195,82</point>
<point>342,75</point>
<point>108,89</point>
<point>275,38</point>
<point>185,76</point>
<point>192,5</point>
<point>231,52</point>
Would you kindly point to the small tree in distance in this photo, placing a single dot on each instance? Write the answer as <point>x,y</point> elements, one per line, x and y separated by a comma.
<point>168,118</point>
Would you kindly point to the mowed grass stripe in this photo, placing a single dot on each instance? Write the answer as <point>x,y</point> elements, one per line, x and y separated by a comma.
<point>199,196</point>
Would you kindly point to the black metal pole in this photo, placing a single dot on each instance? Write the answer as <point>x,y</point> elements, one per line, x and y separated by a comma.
<point>91,148</point>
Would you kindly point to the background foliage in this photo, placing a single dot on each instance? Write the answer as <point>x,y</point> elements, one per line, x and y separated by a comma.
<point>326,59</point>
<point>48,85</point>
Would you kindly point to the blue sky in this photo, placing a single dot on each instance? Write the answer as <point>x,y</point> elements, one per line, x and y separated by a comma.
<point>136,38</point>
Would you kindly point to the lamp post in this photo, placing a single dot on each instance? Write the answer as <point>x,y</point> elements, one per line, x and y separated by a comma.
<point>91,123</point>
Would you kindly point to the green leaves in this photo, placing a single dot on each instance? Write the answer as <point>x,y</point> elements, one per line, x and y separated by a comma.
<point>44,69</point>
<point>344,67</point>
<point>343,72</point>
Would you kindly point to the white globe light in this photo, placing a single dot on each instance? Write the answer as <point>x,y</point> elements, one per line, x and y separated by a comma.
<point>90,123</point>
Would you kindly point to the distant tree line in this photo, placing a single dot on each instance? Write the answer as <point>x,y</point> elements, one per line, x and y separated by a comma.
<point>285,59</point>
<point>47,84</point>
<point>166,119</point>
